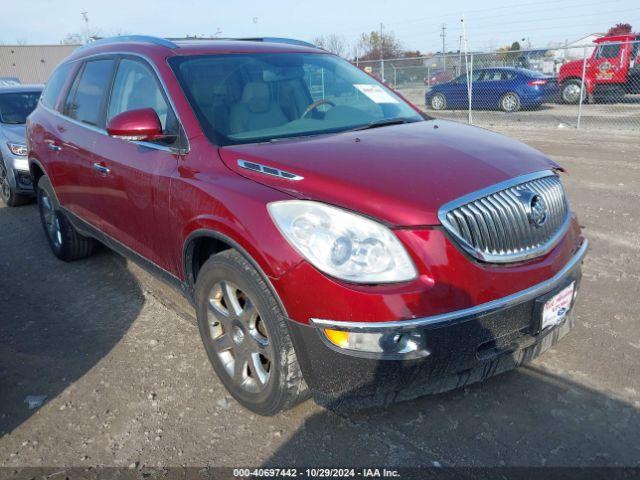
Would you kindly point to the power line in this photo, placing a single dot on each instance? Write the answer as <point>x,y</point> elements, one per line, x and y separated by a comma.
<point>484,29</point>
<point>508,7</point>
<point>480,21</point>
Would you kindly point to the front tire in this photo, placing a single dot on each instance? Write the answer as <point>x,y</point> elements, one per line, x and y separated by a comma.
<point>570,92</point>
<point>7,194</point>
<point>510,102</point>
<point>245,335</point>
<point>65,241</point>
<point>438,102</point>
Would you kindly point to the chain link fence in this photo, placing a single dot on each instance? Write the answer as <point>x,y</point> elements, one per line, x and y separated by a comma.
<point>590,86</point>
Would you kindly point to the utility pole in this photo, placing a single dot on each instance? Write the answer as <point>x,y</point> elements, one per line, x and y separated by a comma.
<point>460,55</point>
<point>444,46</point>
<point>255,22</point>
<point>381,52</point>
<point>87,32</point>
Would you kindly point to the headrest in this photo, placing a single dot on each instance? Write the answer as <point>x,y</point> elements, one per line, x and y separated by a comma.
<point>256,96</point>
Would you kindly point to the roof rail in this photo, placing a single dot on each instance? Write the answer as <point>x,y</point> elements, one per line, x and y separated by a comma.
<point>163,42</point>
<point>290,41</point>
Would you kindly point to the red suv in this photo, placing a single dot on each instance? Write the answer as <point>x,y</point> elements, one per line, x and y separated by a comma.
<point>333,240</point>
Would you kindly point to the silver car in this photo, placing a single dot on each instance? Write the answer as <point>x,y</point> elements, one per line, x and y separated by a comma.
<point>16,103</point>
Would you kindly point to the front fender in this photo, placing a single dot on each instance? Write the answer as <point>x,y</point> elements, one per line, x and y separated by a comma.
<point>233,211</point>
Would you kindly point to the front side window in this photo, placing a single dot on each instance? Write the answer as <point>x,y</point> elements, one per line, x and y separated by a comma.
<point>55,84</point>
<point>493,76</point>
<point>86,97</point>
<point>608,50</point>
<point>135,87</point>
<point>16,107</point>
<point>248,98</point>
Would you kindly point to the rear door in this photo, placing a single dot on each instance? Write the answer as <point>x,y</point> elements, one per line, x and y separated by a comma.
<point>134,186</point>
<point>78,134</point>
<point>52,128</point>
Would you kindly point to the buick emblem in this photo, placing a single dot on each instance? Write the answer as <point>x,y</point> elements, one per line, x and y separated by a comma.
<point>535,206</point>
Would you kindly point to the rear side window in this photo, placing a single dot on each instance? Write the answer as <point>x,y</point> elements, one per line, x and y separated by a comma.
<point>86,97</point>
<point>53,87</point>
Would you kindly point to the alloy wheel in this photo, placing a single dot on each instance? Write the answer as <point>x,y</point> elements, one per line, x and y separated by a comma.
<point>51,220</point>
<point>571,93</point>
<point>437,102</point>
<point>509,102</point>
<point>239,337</point>
<point>5,188</point>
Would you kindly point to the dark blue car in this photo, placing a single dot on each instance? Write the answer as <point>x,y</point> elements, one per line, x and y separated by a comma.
<point>508,89</point>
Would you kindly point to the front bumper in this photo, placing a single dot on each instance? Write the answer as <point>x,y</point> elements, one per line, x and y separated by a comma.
<point>463,347</point>
<point>19,175</point>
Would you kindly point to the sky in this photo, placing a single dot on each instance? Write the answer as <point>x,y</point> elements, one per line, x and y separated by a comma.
<point>416,23</point>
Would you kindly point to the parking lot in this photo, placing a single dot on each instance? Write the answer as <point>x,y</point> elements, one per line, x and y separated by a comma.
<point>119,359</point>
<point>623,116</point>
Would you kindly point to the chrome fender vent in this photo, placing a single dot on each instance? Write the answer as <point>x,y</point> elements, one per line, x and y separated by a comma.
<point>266,170</point>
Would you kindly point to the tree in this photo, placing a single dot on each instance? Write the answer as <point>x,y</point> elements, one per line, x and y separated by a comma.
<point>332,43</point>
<point>371,45</point>
<point>89,35</point>
<point>620,29</point>
<point>509,54</point>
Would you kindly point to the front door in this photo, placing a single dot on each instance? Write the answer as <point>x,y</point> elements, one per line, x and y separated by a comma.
<point>608,63</point>
<point>136,175</point>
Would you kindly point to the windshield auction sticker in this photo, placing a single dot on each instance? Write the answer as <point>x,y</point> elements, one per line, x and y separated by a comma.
<point>376,93</point>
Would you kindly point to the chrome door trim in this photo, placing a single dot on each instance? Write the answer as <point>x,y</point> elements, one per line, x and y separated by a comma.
<point>149,62</point>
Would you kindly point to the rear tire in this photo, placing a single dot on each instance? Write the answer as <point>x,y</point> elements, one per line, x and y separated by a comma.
<point>438,102</point>
<point>7,194</point>
<point>510,102</point>
<point>245,335</point>
<point>65,241</point>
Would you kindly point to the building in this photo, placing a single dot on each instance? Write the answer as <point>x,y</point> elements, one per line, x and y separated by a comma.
<point>575,50</point>
<point>32,63</point>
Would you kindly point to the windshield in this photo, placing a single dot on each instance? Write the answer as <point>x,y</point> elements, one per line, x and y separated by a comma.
<point>16,107</point>
<point>248,98</point>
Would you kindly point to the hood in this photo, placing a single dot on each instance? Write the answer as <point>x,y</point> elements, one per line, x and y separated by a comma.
<point>13,133</point>
<point>574,67</point>
<point>398,174</point>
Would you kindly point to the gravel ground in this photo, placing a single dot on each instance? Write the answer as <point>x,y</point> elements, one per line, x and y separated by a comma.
<point>118,357</point>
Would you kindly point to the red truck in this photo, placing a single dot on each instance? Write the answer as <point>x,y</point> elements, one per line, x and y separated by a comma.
<point>612,71</point>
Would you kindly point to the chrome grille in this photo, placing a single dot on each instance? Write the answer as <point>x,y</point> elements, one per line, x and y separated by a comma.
<point>504,223</point>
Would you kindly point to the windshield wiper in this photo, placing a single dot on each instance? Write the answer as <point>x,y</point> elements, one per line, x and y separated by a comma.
<point>384,123</point>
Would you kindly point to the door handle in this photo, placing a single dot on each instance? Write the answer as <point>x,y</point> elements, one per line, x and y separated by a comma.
<point>101,168</point>
<point>53,147</point>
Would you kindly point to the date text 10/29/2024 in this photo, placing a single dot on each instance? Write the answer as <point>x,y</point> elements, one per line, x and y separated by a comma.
<point>316,473</point>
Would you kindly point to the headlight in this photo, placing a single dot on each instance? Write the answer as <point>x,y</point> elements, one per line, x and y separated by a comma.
<point>343,244</point>
<point>19,149</point>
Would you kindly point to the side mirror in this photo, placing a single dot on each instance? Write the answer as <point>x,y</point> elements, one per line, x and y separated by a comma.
<point>142,125</point>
